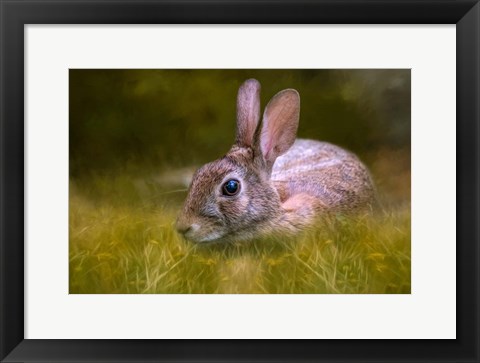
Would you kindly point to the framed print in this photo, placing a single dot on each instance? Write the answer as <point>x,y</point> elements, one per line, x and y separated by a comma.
<point>240,181</point>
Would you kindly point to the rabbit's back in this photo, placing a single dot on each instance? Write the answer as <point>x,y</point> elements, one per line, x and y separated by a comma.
<point>336,177</point>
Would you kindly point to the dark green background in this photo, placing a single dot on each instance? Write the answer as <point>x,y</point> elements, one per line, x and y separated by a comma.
<point>142,121</point>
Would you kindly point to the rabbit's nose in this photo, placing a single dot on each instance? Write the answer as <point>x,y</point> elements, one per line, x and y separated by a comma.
<point>183,229</point>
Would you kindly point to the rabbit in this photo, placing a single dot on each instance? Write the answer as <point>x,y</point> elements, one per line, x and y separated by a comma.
<point>270,182</point>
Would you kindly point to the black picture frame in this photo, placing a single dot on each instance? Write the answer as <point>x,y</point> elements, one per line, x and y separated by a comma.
<point>15,14</point>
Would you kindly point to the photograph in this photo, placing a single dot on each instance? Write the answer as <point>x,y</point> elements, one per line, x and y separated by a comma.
<point>239,181</point>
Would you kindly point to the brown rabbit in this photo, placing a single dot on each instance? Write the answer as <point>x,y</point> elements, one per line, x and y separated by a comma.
<point>269,182</point>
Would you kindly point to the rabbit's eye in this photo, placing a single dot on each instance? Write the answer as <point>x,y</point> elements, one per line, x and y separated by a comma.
<point>231,187</point>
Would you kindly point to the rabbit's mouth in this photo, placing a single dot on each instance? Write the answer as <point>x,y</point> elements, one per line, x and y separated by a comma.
<point>213,237</point>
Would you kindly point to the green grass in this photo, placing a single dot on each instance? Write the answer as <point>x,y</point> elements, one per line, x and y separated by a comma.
<point>122,240</point>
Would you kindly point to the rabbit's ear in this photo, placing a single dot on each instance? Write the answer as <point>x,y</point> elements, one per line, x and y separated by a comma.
<point>248,112</point>
<point>279,125</point>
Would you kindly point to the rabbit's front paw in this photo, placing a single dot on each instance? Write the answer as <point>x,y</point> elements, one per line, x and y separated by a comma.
<point>300,210</point>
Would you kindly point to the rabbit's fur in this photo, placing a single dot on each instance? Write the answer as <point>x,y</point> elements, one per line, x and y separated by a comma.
<point>285,183</point>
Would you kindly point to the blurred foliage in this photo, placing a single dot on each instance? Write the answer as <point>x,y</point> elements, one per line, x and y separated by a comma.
<point>124,244</point>
<point>140,120</point>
